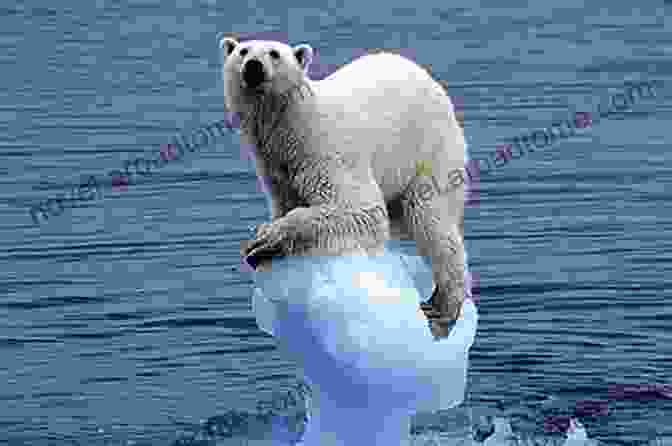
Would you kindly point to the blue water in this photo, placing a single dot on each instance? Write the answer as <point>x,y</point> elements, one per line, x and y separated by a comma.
<point>126,320</point>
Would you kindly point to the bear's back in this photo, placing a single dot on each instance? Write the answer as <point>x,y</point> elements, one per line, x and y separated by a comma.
<point>378,74</point>
<point>389,108</point>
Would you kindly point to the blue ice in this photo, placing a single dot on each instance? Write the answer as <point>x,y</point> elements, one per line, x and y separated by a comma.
<point>354,327</point>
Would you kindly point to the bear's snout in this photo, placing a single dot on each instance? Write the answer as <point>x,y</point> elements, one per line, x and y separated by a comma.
<point>253,73</point>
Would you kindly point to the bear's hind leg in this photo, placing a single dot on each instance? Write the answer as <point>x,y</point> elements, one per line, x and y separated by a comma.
<point>434,221</point>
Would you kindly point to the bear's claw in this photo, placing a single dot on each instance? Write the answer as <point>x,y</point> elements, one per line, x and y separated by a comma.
<point>271,241</point>
<point>440,322</point>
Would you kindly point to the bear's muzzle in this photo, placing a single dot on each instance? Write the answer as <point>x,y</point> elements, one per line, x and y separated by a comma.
<point>253,73</point>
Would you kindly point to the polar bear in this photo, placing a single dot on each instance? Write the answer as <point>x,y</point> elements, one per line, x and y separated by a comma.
<point>340,157</point>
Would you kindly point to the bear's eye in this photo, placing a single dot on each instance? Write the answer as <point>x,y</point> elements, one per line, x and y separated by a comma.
<point>274,54</point>
<point>243,52</point>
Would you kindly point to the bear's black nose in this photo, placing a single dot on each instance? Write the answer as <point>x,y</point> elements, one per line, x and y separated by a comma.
<point>253,73</point>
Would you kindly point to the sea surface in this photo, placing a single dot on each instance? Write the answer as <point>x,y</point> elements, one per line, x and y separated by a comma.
<point>126,320</point>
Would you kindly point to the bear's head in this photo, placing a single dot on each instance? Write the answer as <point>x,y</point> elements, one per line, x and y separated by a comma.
<point>258,70</point>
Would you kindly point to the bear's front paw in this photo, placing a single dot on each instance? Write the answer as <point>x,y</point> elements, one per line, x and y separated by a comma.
<point>283,237</point>
<point>271,240</point>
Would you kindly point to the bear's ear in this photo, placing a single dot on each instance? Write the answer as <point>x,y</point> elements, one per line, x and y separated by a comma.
<point>304,55</point>
<point>228,44</point>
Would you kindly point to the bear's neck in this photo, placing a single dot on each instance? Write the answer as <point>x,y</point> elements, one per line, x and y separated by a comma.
<point>271,124</point>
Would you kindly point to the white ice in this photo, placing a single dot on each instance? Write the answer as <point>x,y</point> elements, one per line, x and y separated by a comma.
<point>354,327</point>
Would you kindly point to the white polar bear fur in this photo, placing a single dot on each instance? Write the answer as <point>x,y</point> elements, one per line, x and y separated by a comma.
<point>344,153</point>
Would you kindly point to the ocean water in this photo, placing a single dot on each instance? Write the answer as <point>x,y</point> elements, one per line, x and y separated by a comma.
<point>126,318</point>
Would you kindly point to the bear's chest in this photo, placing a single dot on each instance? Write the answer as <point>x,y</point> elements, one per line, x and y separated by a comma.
<point>276,184</point>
